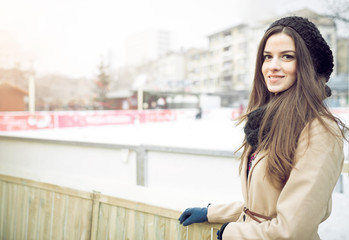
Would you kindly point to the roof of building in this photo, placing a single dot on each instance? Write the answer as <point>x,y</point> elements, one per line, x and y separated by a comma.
<point>241,25</point>
<point>7,85</point>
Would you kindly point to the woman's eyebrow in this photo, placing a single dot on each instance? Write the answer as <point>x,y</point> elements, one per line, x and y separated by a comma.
<point>286,51</point>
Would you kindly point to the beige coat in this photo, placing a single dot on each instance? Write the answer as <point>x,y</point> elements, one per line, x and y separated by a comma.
<point>301,205</point>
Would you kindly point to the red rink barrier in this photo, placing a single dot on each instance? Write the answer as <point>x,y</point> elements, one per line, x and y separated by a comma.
<point>98,118</point>
<point>15,121</point>
<point>25,121</point>
<point>49,120</point>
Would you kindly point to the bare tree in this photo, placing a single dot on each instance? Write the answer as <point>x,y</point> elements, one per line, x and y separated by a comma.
<point>102,84</point>
<point>338,10</point>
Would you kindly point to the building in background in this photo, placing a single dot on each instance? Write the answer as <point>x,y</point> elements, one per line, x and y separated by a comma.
<point>198,70</point>
<point>230,63</point>
<point>170,73</point>
<point>12,97</point>
<point>228,57</point>
<point>224,69</point>
<point>342,56</point>
<point>232,52</point>
<point>339,82</point>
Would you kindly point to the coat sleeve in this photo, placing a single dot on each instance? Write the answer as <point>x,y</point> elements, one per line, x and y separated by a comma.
<point>305,199</point>
<point>222,213</point>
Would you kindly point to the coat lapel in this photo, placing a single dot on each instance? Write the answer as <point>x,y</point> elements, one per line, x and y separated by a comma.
<point>258,158</point>
<point>244,178</point>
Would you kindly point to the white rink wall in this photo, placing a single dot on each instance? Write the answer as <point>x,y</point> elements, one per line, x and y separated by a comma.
<point>104,159</point>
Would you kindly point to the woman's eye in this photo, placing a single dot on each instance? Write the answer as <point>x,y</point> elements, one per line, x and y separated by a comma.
<point>267,57</point>
<point>288,57</point>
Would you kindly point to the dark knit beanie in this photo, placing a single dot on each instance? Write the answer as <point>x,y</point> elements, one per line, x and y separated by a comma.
<point>319,50</point>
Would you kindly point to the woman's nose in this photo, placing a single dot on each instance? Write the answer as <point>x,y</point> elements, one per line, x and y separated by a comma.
<point>274,64</point>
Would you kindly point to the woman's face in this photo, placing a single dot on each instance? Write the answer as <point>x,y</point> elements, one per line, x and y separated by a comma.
<point>279,65</point>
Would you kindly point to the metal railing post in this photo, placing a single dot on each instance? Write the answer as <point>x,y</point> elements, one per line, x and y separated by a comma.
<point>142,163</point>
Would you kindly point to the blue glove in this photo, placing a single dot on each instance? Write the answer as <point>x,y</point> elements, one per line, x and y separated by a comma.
<point>193,215</point>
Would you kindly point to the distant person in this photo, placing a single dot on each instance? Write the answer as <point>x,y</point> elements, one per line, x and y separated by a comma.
<point>293,149</point>
<point>199,114</point>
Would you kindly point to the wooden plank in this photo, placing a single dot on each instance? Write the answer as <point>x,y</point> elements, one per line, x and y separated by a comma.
<point>46,186</point>
<point>200,232</point>
<point>129,220</point>
<point>103,218</point>
<point>192,232</point>
<point>8,214</point>
<point>142,207</point>
<point>139,225</point>
<point>121,223</point>
<point>73,219</point>
<point>59,210</point>
<point>182,231</point>
<point>11,211</point>
<point>168,230</point>
<point>45,213</point>
<point>86,215</point>
<point>149,227</point>
<point>95,215</point>
<point>112,222</point>
<point>33,213</point>
<point>21,212</point>
<point>3,210</point>
<point>215,228</point>
<point>173,229</point>
<point>160,227</point>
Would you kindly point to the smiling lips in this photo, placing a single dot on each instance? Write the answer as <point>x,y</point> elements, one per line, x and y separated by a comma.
<point>274,78</point>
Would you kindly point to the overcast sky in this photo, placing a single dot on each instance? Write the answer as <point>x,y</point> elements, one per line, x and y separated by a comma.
<point>70,36</point>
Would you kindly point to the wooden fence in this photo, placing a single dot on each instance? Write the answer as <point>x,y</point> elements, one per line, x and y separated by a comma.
<point>36,210</point>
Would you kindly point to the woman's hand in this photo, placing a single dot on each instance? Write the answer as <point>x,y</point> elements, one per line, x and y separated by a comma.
<point>193,215</point>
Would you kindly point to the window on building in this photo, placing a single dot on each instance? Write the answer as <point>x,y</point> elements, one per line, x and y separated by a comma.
<point>242,78</point>
<point>227,65</point>
<point>243,45</point>
<point>242,62</point>
<point>328,39</point>
<point>227,78</point>
<point>227,34</point>
<point>227,49</point>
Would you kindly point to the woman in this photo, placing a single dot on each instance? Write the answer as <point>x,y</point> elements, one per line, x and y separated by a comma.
<point>293,150</point>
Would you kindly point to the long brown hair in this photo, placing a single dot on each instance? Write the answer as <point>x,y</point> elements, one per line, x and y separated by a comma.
<point>286,113</point>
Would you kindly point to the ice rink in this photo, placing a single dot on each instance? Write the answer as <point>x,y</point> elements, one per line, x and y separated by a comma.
<point>208,134</point>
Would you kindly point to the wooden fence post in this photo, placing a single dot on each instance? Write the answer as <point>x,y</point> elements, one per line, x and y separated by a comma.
<point>95,214</point>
